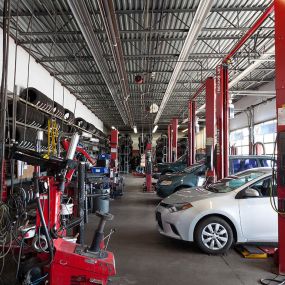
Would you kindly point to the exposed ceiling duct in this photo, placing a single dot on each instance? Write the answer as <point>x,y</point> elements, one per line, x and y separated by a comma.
<point>107,12</point>
<point>195,28</point>
<point>84,21</point>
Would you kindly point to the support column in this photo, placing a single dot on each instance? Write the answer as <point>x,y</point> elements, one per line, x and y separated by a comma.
<point>190,127</point>
<point>114,156</point>
<point>210,126</point>
<point>225,93</point>
<point>174,138</point>
<point>148,172</point>
<point>193,135</point>
<point>169,144</point>
<point>280,110</point>
<point>219,121</point>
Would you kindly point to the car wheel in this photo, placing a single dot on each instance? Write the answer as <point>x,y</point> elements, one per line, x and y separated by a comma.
<point>214,235</point>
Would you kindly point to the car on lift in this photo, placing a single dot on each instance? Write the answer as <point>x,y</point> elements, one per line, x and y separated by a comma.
<point>170,167</point>
<point>237,209</point>
<point>194,175</point>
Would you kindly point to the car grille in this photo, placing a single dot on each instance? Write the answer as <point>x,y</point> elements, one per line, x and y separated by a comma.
<point>158,218</point>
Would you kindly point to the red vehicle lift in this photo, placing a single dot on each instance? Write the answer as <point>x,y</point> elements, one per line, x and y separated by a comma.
<point>191,132</point>
<point>191,125</point>
<point>174,124</point>
<point>280,103</point>
<point>210,126</point>
<point>169,143</point>
<point>223,98</point>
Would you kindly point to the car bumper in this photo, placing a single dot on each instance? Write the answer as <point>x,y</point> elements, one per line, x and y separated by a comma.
<point>175,225</point>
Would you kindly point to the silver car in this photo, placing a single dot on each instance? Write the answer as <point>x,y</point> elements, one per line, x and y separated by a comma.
<point>238,209</point>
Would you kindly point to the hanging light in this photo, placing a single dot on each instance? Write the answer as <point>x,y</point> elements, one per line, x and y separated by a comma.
<point>135,130</point>
<point>113,128</point>
<point>197,127</point>
<point>231,109</point>
<point>184,131</point>
<point>154,129</point>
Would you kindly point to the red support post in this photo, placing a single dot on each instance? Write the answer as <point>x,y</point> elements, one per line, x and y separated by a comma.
<point>219,122</point>
<point>225,94</point>
<point>280,110</point>
<point>193,135</point>
<point>148,163</point>
<point>210,125</point>
<point>174,138</point>
<point>169,144</point>
<point>190,127</point>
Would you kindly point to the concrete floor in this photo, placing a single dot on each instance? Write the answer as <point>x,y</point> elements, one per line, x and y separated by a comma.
<point>143,256</point>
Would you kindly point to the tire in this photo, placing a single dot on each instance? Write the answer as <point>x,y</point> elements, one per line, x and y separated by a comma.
<point>212,243</point>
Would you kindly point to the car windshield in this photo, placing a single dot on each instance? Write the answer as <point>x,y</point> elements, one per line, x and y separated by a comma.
<point>192,168</point>
<point>233,182</point>
<point>181,158</point>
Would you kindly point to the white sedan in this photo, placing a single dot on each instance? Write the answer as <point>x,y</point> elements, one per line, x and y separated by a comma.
<point>235,209</point>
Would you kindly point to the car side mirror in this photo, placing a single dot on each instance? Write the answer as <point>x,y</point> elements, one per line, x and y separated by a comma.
<point>248,193</point>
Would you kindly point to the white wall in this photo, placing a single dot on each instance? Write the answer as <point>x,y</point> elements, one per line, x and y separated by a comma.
<point>263,112</point>
<point>40,78</point>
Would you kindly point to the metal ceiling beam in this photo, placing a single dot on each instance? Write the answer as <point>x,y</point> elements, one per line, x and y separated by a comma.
<point>138,56</point>
<point>161,31</point>
<point>75,73</point>
<point>153,39</point>
<point>137,11</point>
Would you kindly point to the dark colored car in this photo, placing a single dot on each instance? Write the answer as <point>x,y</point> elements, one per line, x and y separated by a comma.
<point>195,175</point>
<point>163,168</point>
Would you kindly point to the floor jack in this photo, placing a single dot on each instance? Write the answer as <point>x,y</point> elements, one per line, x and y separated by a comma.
<point>58,261</point>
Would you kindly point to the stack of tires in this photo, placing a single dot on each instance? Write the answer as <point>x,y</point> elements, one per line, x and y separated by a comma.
<point>143,140</point>
<point>181,146</point>
<point>125,152</point>
<point>161,149</point>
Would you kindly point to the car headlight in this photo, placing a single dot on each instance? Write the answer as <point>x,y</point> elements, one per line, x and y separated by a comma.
<point>180,207</point>
<point>166,182</point>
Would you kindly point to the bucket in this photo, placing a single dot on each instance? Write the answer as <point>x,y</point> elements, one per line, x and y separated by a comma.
<point>66,209</point>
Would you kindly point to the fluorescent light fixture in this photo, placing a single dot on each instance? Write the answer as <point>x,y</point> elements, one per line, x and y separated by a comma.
<point>135,130</point>
<point>184,131</point>
<point>202,108</point>
<point>178,126</point>
<point>154,129</point>
<point>185,121</point>
<point>198,21</point>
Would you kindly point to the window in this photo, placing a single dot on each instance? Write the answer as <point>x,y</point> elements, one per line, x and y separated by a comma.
<point>266,134</point>
<point>250,163</point>
<point>266,162</point>
<point>240,139</point>
<point>265,187</point>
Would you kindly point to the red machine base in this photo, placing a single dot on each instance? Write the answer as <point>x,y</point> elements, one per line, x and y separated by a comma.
<point>70,268</point>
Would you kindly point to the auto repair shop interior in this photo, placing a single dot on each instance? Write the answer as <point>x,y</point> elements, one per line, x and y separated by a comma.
<point>142,142</point>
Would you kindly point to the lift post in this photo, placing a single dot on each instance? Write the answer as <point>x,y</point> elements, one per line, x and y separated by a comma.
<point>210,126</point>
<point>174,124</point>
<point>169,143</point>
<point>219,123</point>
<point>148,165</point>
<point>280,111</point>
<point>191,132</point>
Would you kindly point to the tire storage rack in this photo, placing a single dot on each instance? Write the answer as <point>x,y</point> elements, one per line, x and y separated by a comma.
<point>181,146</point>
<point>125,153</point>
<point>161,149</point>
<point>143,140</point>
<point>33,111</point>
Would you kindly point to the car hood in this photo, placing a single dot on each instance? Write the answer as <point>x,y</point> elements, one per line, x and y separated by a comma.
<point>170,176</point>
<point>189,195</point>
